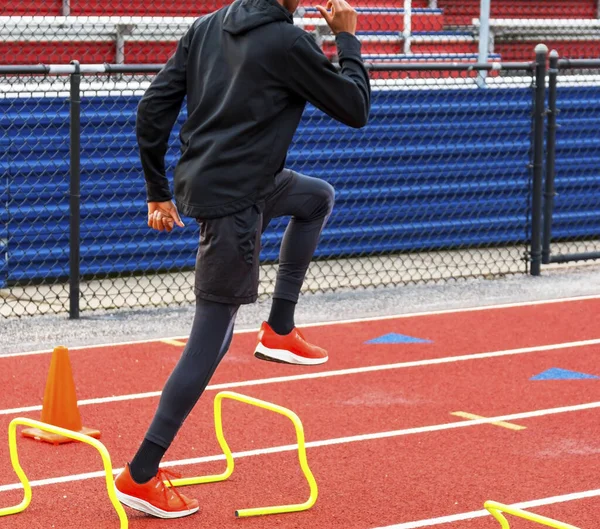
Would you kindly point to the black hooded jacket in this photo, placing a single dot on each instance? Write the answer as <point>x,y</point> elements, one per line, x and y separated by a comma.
<point>247,72</point>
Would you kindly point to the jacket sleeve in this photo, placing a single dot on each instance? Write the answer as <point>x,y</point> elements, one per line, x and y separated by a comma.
<point>156,116</point>
<point>345,95</point>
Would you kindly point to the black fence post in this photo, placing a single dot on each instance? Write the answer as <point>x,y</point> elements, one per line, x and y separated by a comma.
<point>74,191</point>
<point>541,54</point>
<point>549,191</point>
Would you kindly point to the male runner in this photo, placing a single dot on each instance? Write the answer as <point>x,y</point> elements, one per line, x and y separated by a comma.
<point>247,72</point>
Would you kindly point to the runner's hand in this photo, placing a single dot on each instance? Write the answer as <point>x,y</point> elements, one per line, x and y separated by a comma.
<point>342,18</point>
<point>163,216</point>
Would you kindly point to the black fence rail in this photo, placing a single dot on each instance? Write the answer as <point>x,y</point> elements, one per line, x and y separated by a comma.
<point>572,186</point>
<point>444,183</point>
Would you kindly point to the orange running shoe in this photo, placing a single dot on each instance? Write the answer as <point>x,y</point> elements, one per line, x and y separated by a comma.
<point>290,348</point>
<point>154,497</point>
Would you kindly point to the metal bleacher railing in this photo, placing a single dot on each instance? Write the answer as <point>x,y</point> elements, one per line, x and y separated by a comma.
<point>436,187</point>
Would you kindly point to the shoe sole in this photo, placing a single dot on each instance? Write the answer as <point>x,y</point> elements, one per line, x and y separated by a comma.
<point>283,356</point>
<point>148,508</point>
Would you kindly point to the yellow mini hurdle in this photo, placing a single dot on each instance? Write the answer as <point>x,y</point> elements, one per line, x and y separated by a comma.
<point>76,436</point>
<point>258,511</point>
<point>496,509</point>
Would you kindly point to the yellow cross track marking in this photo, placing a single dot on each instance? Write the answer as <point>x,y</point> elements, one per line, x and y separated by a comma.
<point>174,342</point>
<point>503,424</point>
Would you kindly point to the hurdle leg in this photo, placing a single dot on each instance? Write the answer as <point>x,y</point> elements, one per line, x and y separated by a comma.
<point>213,478</point>
<point>496,509</point>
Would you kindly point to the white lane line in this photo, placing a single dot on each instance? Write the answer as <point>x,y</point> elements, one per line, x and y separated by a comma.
<point>335,373</point>
<point>97,346</point>
<point>480,514</point>
<point>329,442</point>
<point>337,322</point>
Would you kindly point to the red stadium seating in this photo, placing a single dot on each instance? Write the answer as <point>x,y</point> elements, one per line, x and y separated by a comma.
<point>121,8</point>
<point>420,44</point>
<point>138,52</point>
<point>571,49</point>
<point>57,52</point>
<point>145,7</point>
<point>424,20</point>
<point>30,7</point>
<point>462,12</point>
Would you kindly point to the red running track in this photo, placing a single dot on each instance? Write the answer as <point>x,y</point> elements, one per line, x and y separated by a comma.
<point>363,484</point>
<point>141,368</point>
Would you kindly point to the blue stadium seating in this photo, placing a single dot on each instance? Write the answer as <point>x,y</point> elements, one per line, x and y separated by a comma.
<point>433,169</point>
<point>577,201</point>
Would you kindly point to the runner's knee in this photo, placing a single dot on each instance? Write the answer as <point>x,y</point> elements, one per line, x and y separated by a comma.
<point>324,199</point>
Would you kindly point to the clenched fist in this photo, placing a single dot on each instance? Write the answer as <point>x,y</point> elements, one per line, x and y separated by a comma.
<point>162,216</point>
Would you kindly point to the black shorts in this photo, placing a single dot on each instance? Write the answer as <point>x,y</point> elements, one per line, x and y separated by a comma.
<point>227,263</point>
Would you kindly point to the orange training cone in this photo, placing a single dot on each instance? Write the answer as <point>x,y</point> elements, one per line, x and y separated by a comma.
<point>60,402</point>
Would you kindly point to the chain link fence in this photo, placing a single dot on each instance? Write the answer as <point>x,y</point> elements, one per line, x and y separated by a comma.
<point>436,187</point>
<point>34,192</point>
<point>572,192</point>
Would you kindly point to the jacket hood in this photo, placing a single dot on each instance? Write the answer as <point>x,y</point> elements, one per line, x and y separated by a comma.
<point>245,15</point>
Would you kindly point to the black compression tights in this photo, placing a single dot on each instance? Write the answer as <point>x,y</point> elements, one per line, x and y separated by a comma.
<point>309,202</point>
<point>209,340</point>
